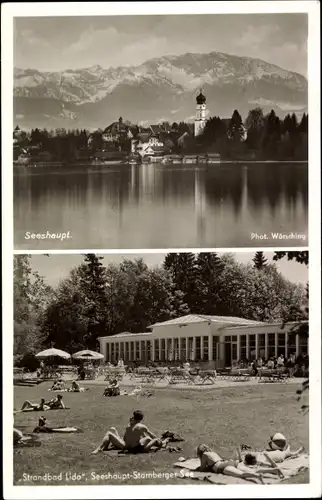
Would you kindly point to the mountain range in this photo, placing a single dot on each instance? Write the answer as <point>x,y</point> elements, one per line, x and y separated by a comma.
<point>160,89</point>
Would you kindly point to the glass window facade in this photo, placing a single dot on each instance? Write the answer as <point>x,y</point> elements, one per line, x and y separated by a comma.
<point>243,353</point>
<point>205,348</point>
<point>183,349</point>
<point>198,349</point>
<point>156,350</point>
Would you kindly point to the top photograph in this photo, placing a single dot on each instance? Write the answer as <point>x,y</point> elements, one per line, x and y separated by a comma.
<point>160,131</point>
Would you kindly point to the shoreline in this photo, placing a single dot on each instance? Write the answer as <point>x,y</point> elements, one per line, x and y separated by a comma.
<point>117,162</point>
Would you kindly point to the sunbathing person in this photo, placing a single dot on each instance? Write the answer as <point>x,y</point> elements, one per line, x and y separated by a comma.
<point>58,385</point>
<point>251,459</point>
<point>56,403</point>
<point>137,437</point>
<point>210,461</point>
<point>17,436</point>
<point>76,387</point>
<point>28,406</point>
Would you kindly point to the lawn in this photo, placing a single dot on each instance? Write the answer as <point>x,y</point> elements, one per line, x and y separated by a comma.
<point>221,417</point>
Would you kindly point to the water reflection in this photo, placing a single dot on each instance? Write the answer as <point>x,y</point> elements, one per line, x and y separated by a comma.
<point>156,206</point>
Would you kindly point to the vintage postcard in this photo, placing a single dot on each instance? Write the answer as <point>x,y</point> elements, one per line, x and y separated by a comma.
<point>161,192</point>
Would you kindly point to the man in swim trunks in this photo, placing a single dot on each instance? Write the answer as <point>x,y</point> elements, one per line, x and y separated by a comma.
<point>56,403</point>
<point>210,461</point>
<point>137,437</point>
<point>27,406</point>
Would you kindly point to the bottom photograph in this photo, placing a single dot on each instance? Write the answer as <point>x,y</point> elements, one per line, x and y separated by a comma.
<point>161,368</point>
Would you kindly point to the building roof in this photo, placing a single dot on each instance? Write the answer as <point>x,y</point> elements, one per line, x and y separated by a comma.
<point>144,136</point>
<point>156,129</point>
<point>125,334</point>
<point>201,318</point>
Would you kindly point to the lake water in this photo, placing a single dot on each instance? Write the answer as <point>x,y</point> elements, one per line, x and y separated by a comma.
<point>160,206</point>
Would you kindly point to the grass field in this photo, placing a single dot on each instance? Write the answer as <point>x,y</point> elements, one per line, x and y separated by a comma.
<point>221,417</point>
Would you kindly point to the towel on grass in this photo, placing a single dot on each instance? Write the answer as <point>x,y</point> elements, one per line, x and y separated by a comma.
<point>290,467</point>
<point>47,430</point>
<point>125,453</point>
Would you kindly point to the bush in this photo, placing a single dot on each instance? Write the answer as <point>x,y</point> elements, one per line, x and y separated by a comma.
<point>29,362</point>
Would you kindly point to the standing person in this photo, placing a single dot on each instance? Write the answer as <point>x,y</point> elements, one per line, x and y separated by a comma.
<point>254,367</point>
<point>291,365</point>
<point>137,437</point>
<point>259,362</point>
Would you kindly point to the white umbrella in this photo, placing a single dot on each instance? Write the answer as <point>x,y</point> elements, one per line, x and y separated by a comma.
<point>51,353</point>
<point>88,355</point>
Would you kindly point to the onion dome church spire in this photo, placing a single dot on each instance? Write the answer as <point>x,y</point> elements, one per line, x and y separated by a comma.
<point>201,98</point>
<point>201,111</point>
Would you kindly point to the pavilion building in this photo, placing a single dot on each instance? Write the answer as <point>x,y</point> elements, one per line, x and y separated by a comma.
<point>217,340</point>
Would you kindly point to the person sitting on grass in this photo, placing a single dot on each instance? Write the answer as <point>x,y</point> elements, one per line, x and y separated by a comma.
<point>279,449</point>
<point>137,437</point>
<point>113,389</point>
<point>28,406</point>
<point>210,461</point>
<point>58,385</point>
<point>56,403</point>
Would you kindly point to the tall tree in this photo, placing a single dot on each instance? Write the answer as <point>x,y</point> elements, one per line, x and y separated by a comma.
<point>94,283</point>
<point>259,260</point>
<point>31,298</point>
<point>182,267</point>
<point>209,284</point>
<point>236,130</point>
<point>255,127</point>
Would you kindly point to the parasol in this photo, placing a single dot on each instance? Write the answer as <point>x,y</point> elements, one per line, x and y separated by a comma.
<point>88,355</point>
<point>52,353</point>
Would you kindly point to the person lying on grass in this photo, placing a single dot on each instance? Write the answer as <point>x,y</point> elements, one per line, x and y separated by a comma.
<point>28,406</point>
<point>137,437</point>
<point>18,437</point>
<point>54,404</point>
<point>210,461</point>
<point>252,459</point>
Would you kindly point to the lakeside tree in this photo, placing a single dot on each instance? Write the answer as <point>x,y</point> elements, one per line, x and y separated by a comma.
<point>260,261</point>
<point>236,129</point>
<point>255,127</point>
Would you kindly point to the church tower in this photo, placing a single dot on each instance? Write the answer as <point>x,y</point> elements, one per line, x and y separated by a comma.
<point>200,120</point>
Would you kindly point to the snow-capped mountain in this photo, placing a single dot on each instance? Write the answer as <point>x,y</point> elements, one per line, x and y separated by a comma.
<point>162,88</point>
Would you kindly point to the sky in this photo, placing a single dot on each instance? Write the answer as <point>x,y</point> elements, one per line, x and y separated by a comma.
<point>57,266</point>
<point>58,43</point>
